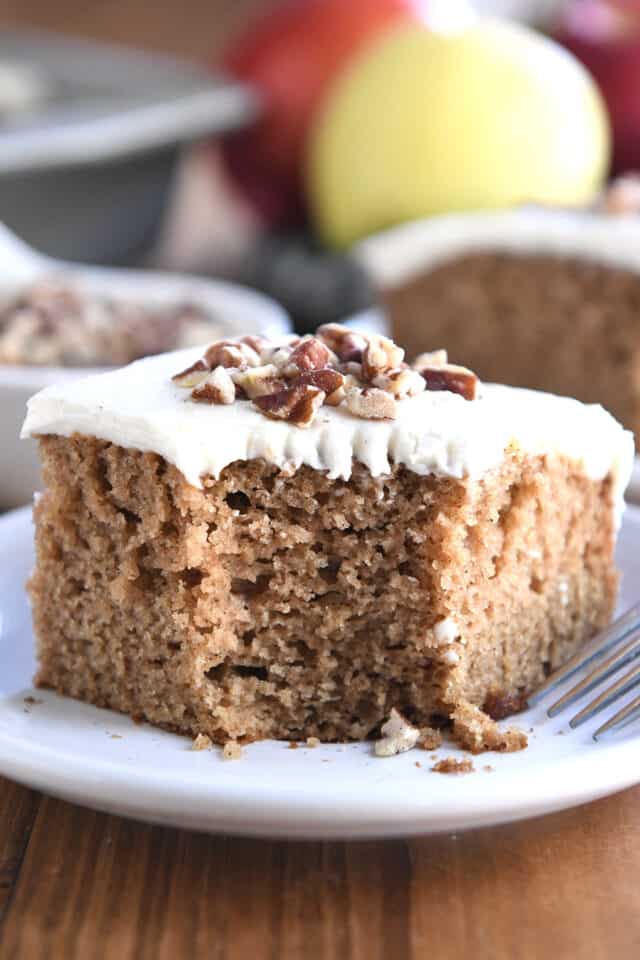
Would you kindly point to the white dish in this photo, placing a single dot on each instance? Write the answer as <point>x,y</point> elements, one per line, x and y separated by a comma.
<point>238,310</point>
<point>104,760</point>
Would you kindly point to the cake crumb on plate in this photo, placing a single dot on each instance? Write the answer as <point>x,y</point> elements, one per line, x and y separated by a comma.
<point>231,750</point>
<point>202,742</point>
<point>398,736</point>
<point>476,732</point>
<point>430,738</point>
<point>452,765</point>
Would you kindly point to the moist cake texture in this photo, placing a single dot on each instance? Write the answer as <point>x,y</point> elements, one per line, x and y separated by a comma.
<point>218,572</point>
<point>540,299</point>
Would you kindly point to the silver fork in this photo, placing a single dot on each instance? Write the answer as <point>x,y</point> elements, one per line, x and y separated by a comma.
<point>607,653</point>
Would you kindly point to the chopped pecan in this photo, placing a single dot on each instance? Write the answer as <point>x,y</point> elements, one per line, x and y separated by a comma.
<point>345,343</point>
<point>217,388</point>
<point>193,375</point>
<point>310,354</point>
<point>380,355</point>
<point>401,383</point>
<point>258,381</point>
<point>437,358</point>
<point>370,403</point>
<point>231,353</point>
<point>257,342</point>
<point>297,404</point>
<point>325,379</point>
<point>281,356</point>
<point>352,369</point>
<point>451,378</point>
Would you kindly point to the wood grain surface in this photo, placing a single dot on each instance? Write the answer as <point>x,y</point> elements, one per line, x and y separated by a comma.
<point>79,884</point>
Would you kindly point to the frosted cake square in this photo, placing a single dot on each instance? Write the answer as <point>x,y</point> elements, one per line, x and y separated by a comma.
<point>290,539</point>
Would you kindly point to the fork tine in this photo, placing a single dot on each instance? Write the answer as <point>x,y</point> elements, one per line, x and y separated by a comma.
<point>616,661</point>
<point>628,713</point>
<point>603,642</point>
<point>608,696</point>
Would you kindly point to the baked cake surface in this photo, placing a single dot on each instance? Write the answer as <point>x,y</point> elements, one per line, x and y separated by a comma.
<point>538,298</point>
<point>216,571</point>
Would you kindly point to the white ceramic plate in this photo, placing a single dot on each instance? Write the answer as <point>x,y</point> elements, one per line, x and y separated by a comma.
<point>104,760</point>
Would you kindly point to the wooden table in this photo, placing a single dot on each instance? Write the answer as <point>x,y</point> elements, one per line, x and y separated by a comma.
<point>78,884</point>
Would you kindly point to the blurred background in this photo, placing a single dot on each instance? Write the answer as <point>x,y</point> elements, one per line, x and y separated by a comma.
<point>141,160</point>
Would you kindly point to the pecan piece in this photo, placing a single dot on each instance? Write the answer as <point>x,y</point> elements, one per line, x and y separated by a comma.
<point>231,353</point>
<point>310,354</point>
<point>370,403</point>
<point>257,381</point>
<point>401,383</point>
<point>437,358</point>
<point>325,379</point>
<point>331,382</point>
<point>217,388</point>
<point>297,404</point>
<point>257,342</point>
<point>345,343</point>
<point>380,355</point>
<point>193,375</point>
<point>451,378</point>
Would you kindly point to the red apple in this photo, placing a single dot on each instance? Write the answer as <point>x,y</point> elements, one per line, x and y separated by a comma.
<point>605,36</point>
<point>290,56</point>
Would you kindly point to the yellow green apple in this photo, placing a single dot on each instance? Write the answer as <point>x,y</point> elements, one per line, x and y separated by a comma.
<point>489,115</point>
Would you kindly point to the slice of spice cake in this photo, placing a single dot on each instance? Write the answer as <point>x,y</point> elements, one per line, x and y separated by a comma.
<point>290,539</point>
<point>545,299</point>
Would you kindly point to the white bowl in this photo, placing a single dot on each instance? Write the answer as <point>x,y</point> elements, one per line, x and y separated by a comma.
<point>238,310</point>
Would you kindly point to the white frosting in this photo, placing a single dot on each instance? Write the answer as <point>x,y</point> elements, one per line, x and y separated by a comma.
<point>138,406</point>
<point>395,255</point>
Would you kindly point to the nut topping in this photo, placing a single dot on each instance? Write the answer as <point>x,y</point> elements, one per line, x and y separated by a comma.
<point>193,375</point>
<point>296,404</point>
<point>401,383</point>
<point>327,380</point>
<point>345,343</point>
<point>362,374</point>
<point>257,381</point>
<point>217,388</point>
<point>229,353</point>
<point>310,354</point>
<point>438,358</point>
<point>451,378</point>
<point>380,355</point>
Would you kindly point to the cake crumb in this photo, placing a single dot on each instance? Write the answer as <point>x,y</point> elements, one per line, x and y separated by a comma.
<point>313,742</point>
<point>430,738</point>
<point>476,732</point>
<point>418,764</point>
<point>488,768</point>
<point>451,765</point>
<point>202,742</point>
<point>398,736</point>
<point>32,701</point>
<point>231,750</point>
<point>115,736</point>
<point>293,745</point>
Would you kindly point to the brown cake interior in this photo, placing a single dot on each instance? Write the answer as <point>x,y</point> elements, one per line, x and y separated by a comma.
<point>561,324</point>
<point>277,605</point>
